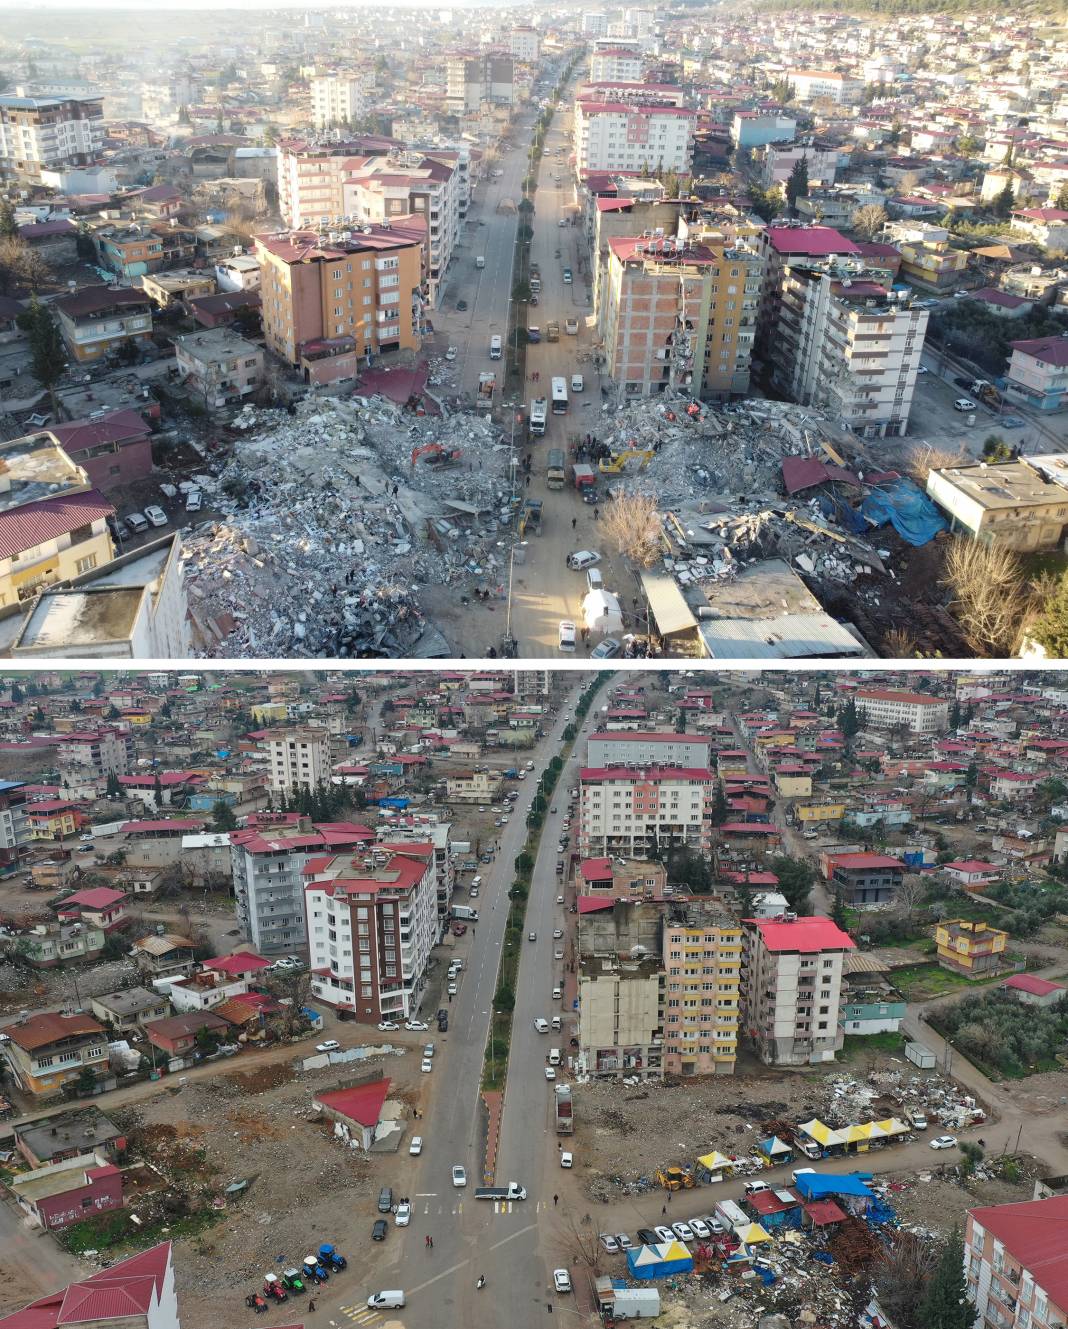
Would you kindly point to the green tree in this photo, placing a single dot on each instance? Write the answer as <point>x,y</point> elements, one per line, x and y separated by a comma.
<point>1003,200</point>
<point>114,788</point>
<point>797,183</point>
<point>849,721</point>
<point>222,816</point>
<point>17,693</point>
<point>9,229</point>
<point>48,357</point>
<point>671,184</point>
<point>1049,627</point>
<point>766,203</point>
<point>946,1304</point>
<point>796,878</point>
<point>1061,201</point>
<point>954,716</point>
<point>782,91</point>
<point>504,998</point>
<point>995,449</point>
<point>971,1156</point>
<point>720,807</point>
<point>838,910</point>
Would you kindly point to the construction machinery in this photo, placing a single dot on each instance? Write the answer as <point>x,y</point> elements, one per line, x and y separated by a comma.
<point>530,517</point>
<point>435,455</point>
<point>621,459</point>
<point>986,392</point>
<point>675,1178</point>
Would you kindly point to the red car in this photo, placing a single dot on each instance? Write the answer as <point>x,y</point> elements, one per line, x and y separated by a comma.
<point>458,929</point>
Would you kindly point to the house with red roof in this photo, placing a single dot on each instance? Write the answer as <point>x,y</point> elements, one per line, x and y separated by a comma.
<point>1017,1256</point>
<point>45,1052</point>
<point>137,1293</point>
<point>971,873</point>
<point>358,1108</point>
<point>99,906</point>
<point>1032,990</point>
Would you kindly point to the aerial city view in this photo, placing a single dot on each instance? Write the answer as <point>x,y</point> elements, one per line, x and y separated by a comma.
<point>703,330</point>
<point>721,1001</point>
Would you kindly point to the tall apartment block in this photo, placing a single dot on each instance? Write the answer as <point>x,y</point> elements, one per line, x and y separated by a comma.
<point>337,99</point>
<point>632,811</point>
<point>300,758</point>
<point>49,134</point>
<point>702,959</point>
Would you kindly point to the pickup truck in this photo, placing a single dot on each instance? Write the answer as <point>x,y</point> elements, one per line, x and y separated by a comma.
<point>513,1191</point>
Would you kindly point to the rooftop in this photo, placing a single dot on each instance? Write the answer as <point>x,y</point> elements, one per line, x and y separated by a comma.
<point>216,345</point>
<point>1008,484</point>
<point>36,467</point>
<point>1032,1233</point>
<point>806,936</point>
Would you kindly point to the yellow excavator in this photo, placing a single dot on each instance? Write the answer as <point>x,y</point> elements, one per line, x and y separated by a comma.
<point>620,460</point>
<point>675,1178</point>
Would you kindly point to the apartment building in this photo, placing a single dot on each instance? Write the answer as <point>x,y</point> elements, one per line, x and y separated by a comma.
<point>678,314</point>
<point>472,78</point>
<point>888,708</point>
<point>15,830</point>
<point>525,44</point>
<point>702,959</point>
<point>928,260</point>
<point>848,344</point>
<point>372,922</point>
<point>326,302</point>
<point>792,984</point>
<point>473,786</point>
<point>1038,372</point>
<point>267,861</point>
<point>114,448</point>
<point>620,1030</point>
<point>756,129</point>
<point>49,134</point>
<point>811,85</point>
<point>1016,1264</point>
<point>1020,504</point>
<point>337,99</point>
<point>309,183</point>
<point>594,23</point>
<point>865,880</point>
<point>45,1052</point>
<point>97,320</point>
<point>615,64</point>
<point>218,365</point>
<point>97,752</point>
<point>629,811</point>
<point>779,161</point>
<point>630,747</point>
<point>300,758</point>
<point>780,245</point>
<point>618,879</point>
<point>626,136</point>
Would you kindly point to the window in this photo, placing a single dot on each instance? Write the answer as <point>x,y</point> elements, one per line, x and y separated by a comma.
<point>86,564</point>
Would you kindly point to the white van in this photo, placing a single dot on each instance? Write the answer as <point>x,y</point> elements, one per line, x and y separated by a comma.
<point>556,1023</point>
<point>578,383</point>
<point>480,262</point>
<point>554,1056</point>
<point>567,635</point>
<point>495,348</point>
<point>541,1025</point>
<point>558,992</point>
<point>594,580</point>
<point>476,882</point>
<point>394,1300</point>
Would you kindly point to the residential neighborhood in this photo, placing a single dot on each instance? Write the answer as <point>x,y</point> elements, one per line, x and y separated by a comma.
<point>780,955</point>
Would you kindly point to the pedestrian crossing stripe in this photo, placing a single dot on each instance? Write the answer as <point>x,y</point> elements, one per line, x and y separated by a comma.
<point>360,1314</point>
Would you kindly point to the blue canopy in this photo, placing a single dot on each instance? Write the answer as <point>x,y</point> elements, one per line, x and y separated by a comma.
<point>659,1261</point>
<point>907,508</point>
<point>817,1185</point>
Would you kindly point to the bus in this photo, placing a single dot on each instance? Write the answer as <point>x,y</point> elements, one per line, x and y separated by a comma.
<point>559,396</point>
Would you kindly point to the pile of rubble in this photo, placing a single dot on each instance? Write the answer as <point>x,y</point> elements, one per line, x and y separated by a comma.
<point>334,517</point>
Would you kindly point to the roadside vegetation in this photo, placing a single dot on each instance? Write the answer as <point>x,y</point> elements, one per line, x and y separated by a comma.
<point>1004,1037</point>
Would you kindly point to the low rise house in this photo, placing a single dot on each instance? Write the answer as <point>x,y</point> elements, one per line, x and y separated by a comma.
<point>137,1293</point>
<point>99,906</point>
<point>64,1136</point>
<point>99,319</point>
<point>46,1052</point>
<point>619,879</point>
<point>126,1011</point>
<point>49,944</point>
<point>473,786</point>
<point>164,955</point>
<point>1047,227</point>
<point>218,365</point>
<point>971,873</point>
<point>1038,372</point>
<point>972,949</point>
<point>177,1034</point>
<point>59,1194</point>
<point>866,880</point>
<point>176,288</point>
<point>1034,991</point>
<point>357,1109</point>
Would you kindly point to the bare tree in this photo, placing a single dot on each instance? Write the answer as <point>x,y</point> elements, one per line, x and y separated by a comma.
<point>902,1275</point>
<point>989,594</point>
<point>631,522</point>
<point>899,644</point>
<point>910,893</point>
<point>580,1238</point>
<point>869,220</point>
<point>24,263</point>
<point>920,466</point>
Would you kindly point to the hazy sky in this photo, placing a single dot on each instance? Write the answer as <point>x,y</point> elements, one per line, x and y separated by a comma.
<point>18,6</point>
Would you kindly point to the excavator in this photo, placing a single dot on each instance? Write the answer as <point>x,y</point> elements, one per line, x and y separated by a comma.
<point>620,460</point>
<point>675,1178</point>
<point>435,455</point>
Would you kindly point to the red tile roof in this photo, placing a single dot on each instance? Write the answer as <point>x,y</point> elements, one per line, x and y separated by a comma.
<point>892,694</point>
<point>240,962</point>
<point>1046,350</point>
<point>645,774</point>
<point>362,1104</point>
<point>1037,987</point>
<point>862,861</point>
<point>810,241</point>
<point>1033,1234</point>
<point>40,1030</point>
<point>805,935</point>
<point>35,523</point>
<point>95,897</point>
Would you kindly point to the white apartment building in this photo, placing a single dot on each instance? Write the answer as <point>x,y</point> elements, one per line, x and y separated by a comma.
<point>525,45</point>
<point>372,922</point>
<point>267,859</point>
<point>886,708</point>
<point>49,133</point>
<point>793,988</point>
<point>309,185</point>
<point>102,752</point>
<point>615,64</point>
<point>618,136</point>
<point>702,960</point>
<point>824,85</point>
<point>594,23</point>
<point>845,343</point>
<point>300,758</point>
<point>779,161</point>
<point>629,747</point>
<point>627,811</point>
<point>337,99</point>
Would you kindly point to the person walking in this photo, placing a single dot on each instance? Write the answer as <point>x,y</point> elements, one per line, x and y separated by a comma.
<point>311,1304</point>
<point>574,522</point>
<point>556,1200</point>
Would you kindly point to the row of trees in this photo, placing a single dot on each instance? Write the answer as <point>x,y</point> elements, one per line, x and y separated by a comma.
<point>995,1030</point>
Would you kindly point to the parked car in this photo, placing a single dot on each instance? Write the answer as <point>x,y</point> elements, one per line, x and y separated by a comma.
<point>647,1236</point>
<point>156,515</point>
<point>550,1072</point>
<point>136,522</point>
<point>582,558</point>
<point>701,1228</point>
<point>416,1146</point>
<point>388,1024</point>
<point>567,1159</point>
<point>330,1045</point>
<point>606,650</point>
<point>664,1233</point>
<point>378,1232</point>
<point>964,404</point>
<point>385,1199</point>
<point>608,1242</point>
<point>194,500</point>
<point>404,1215</point>
<point>683,1231</point>
<point>426,1067</point>
<point>623,1241</point>
<point>561,1280</point>
<point>416,1026</point>
<point>755,1187</point>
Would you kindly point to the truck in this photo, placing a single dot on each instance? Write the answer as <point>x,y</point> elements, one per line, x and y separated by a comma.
<point>530,517</point>
<point>465,911</point>
<point>486,385</point>
<point>513,1191</point>
<point>535,285</point>
<point>632,1303</point>
<point>554,470</point>
<point>552,332</point>
<point>571,327</point>
<point>565,1117</point>
<point>986,392</point>
<point>539,409</point>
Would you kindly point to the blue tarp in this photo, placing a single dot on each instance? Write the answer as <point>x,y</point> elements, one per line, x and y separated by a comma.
<point>818,1185</point>
<point>837,509</point>
<point>398,803</point>
<point>907,508</point>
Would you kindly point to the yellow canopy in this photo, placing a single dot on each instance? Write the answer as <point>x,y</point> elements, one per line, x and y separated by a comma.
<point>855,1134</point>
<point>752,1234</point>
<point>715,1161</point>
<point>892,1126</point>
<point>820,1133</point>
<point>674,1250</point>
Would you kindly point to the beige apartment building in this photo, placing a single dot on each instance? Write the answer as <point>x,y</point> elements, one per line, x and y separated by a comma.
<point>702,982</point>
<point>300,758</point>
<point>1020,504</point>
<point>327,301</point>
<point>337,99</point>
<point>628,811</point>
<point>679,314</point>
<point>886,708</point>
<point>620,1031</point>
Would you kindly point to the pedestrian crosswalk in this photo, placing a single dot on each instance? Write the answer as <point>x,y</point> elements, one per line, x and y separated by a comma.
<point>360,1314</point>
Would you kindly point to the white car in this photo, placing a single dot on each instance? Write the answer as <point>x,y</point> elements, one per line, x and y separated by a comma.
<point>136,522</point>
<point>388,1024</point>
<point>558,954</point>
<point>459,1176</point>
<point>404,1215</point>
<point>624,1242</point>
<point>701,1228</point>
<point>567,1159</point>
<point>156,515</point>
<point>683,1231</point>
<point>608,1242</point>
<point>416,1026</point>
<point>664,1233</point>
<point>755,1187</point>
<point>961,404</point>
<point>453,989</point>
<point>331,1045</point>
<point>550,1072</point>
<point>557,934</point>
<point>427,1066</point>
<point>194,500</point>
<point>582,558</point>
<point>559,899</point>
<point>561,1280</point>
<point>566,634</point>
<point>944,1142</point>
<point>801,1172</point>
<point>416,1146</point>
<point>450,354</point>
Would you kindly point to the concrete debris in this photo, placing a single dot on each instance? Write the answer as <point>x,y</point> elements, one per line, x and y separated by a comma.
<point>333,519</point>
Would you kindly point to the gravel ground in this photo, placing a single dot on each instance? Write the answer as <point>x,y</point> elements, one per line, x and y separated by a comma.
<point>936,1204</point>
<point>22,987</point>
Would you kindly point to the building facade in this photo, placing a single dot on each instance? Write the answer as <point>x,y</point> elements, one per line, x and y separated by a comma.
<point>702,961</point>
<point>623,136</point>
<point>337,99</point>
<point>49,134</point>
<point>888,708</point>
<point>1015,1264</point>
<point>300,758</point>
<point>620,1029</point>
<point>630,811</point>
<point>639,748</point>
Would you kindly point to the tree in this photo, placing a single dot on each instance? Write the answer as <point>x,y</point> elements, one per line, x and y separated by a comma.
<point>849,721</point>
<point>986,584</point>
<point>838,909</point>
<point>995,449</point>
<point>971,1156</point>
<point>783,91</point>
<point>1061,201</point>
<point>954,716</point>
<point>222,816</point>
<point>901,1276</point>
<point>869,220</point>
<point>1004,200</point>
<point>114,788</point>
<point>504,998</point>
<point>796,878</point>
<point>720,807</point>
<point>766,203</point>
<point>48,358</point>
<point>946,1304</point>
<point>797,183</point>
<point>632,523</point>
<point>670,182</point>
<point>8,226</point>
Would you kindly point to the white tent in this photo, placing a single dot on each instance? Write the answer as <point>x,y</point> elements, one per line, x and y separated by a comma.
<point>601,613</point>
